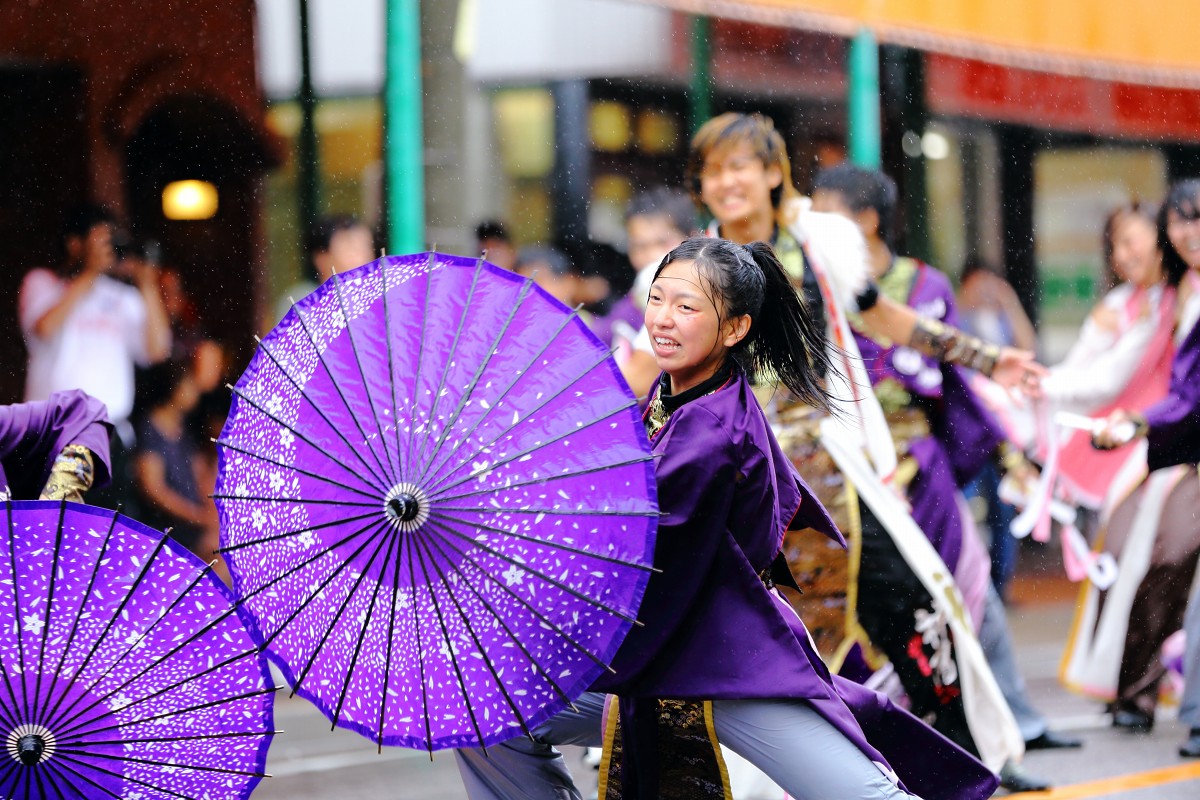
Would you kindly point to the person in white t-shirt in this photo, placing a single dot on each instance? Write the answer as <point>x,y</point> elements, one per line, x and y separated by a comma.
<point>84,328</point>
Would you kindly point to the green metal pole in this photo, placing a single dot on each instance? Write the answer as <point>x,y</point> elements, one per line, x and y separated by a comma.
<point>863,101</point>
<point>307,154</point>
<point>700,92</point>
<point>404,162</point>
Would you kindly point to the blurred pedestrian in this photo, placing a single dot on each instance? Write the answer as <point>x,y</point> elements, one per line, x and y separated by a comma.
<point>335,243</point>
<point>990,309</point>
<point>1171,429</point>
<point>551,269</point>
<point>492,240</point>
<point>85,329</point>
<point>166,461</point>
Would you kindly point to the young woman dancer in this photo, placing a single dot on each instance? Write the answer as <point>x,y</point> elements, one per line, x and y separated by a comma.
<point>722,657</point>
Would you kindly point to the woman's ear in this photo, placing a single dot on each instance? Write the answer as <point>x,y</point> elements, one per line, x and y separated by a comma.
<point>736,330</point>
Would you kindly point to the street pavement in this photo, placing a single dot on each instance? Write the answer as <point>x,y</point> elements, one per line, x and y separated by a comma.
<point>308,761</point>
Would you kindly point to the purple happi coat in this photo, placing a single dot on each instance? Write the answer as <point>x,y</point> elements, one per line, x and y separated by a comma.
<point>712,628</point>
<point>32,434</point>
<point>964,433</point>
<point>1174,435</point>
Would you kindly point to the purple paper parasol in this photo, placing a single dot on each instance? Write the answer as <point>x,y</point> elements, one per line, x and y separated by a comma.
<point>125,668</point>
<point>441,514</point>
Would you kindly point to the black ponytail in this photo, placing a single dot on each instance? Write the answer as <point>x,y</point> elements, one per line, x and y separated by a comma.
<point>784,342</point>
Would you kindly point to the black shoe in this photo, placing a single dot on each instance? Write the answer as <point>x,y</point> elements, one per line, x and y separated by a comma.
<point>1015,779</point>
<point>1191,747</point>
<point>1049,740</point>
<point>1132,721</point>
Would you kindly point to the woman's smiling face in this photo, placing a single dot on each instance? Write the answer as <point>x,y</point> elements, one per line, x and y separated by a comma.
<point>685,326</point>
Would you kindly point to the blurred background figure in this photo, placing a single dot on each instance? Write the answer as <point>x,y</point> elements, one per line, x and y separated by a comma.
<point>339,242</point>
<point>86,329</point>
<point>656,222</point>
<point>988,307</point>
<point>492,239</point>
<point>173,459</point>
<point>550,269</point>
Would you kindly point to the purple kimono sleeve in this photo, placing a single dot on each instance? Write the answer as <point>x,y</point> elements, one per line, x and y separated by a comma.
<point>33,434</point>
<point>1174,435</point>
<point>695,477</point>
<point>932,767</point>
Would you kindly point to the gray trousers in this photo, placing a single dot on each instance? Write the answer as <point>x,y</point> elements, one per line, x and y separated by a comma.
<point>1189,704</point>
<point>996,640</point>
<point>788,740</point>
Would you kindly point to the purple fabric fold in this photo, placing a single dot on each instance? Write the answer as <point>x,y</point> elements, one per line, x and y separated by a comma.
<point>1174,435</point>
<point>32,435</point>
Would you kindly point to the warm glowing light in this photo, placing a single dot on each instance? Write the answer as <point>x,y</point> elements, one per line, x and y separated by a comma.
<point>189,200</point>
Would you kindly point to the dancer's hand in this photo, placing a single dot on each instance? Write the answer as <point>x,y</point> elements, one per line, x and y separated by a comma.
<point>1118,429</point>
<point>1016,370</point>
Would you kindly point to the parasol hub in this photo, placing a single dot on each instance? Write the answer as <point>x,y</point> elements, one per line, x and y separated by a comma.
<point>31,744</point>
<point>406,507</point>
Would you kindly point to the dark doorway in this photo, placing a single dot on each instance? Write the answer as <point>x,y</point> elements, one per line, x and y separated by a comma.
<point>219,259</point>
<point>43,171</point>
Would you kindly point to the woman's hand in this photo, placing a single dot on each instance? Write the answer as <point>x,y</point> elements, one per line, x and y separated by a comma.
<point>1118,429</point>
<point>1017,370</point>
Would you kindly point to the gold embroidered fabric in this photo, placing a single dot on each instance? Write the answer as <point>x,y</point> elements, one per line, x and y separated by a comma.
<point>689,758</point>
<point>71,476</point>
